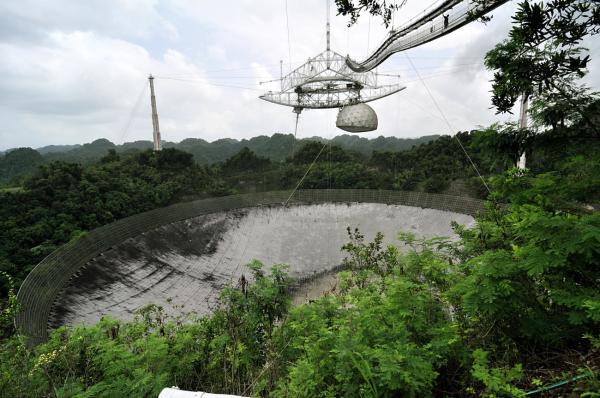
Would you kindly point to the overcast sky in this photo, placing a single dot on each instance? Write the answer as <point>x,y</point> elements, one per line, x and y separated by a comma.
<point>73,71</point>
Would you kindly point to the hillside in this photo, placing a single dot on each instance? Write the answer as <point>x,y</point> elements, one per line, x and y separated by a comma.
<point>19,162</point>
<point>276,148</point>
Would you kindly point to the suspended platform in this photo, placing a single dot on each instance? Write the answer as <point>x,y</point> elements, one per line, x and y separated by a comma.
<point>326,81</point>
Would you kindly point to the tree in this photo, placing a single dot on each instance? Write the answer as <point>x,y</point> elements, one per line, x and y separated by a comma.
<point>559,109</point>
<point>532,267</point>
<point>111,156</point>
<point>245,160</point>
<point>543,54</point>
<point>436,184</point>
<point>332,153</point>
<point>18,163</point>
<point>354,8</point>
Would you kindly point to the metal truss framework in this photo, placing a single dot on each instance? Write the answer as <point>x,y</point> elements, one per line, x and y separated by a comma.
<point>326,81</point>
<point>330,80</point>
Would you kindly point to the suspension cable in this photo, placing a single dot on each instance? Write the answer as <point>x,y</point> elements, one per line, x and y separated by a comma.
<point>305,174</point>
<point>207,82</point>
<point>295,131</point>
<point>133,112</point>
<point>369,36</point>
<point>287,24</point>
<point>448,123</point>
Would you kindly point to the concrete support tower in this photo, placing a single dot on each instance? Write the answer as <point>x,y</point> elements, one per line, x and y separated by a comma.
<point>155,128</point>
<point>522,162</point>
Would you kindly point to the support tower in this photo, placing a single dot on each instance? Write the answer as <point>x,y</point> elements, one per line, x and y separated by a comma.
<point>155,127</point>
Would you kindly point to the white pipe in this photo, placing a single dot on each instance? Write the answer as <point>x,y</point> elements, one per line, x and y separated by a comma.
<point>176,393</point>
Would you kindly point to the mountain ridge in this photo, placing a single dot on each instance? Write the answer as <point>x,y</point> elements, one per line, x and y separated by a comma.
<point>276,147</point>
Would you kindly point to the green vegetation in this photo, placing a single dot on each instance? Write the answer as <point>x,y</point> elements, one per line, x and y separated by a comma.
<point>512,306</point>
<point>543,56</point>
<point>474,317</point>
<point>60,200</point>
<point>18,163</point>
<point>63,200</point>
<point>477,317</point>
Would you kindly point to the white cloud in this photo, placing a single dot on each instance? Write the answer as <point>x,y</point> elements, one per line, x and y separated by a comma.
<point>72,71</point>
<point>80,86</point>
<point>132,18</point>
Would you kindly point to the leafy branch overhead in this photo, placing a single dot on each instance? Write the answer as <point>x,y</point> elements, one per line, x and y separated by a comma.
<point>544,50</point>
<point>354,9</point>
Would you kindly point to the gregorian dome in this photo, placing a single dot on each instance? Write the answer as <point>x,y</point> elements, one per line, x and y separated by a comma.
<point>357,118</point>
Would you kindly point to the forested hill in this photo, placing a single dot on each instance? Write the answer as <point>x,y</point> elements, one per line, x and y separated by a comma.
<point>23,161</point>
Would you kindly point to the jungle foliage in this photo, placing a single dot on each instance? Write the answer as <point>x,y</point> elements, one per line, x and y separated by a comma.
<point>61,201</point>
<point>543,55</point>
<point>475,317</point>
<point>15,164</point>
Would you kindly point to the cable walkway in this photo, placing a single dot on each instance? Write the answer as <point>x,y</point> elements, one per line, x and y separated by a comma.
<point>441,20</point>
